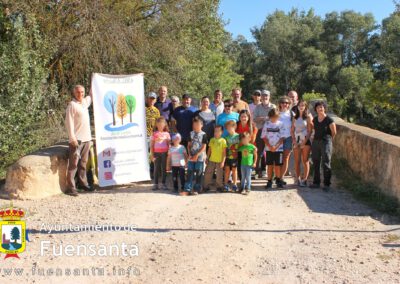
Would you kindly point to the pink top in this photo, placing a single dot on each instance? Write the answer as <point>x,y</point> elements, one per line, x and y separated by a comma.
<point>161,141</point>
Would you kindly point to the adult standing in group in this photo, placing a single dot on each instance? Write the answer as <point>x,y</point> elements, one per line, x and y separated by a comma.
<point>207,116</point>
<point>294,98</point>
<point>152,113</point>
<point>301,133</point>
<point>183,116</point>
<point>175,102</point>
<point>260,116</point>
<point>238,103</point>
<point>163,103</point>
<point>77,122</point>
<point>227,115</point>
<point>217,106</point>
<point>286,116</point>
<point>325,132</point>
<point>256,101</point>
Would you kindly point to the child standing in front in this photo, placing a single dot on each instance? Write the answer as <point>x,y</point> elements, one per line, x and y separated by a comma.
<point>197,150</point>
<point>272,134</point>
<point>159,146</point>
<point>248,161</point>
<point>231,163</point>
<point>216,158</point>
<point>177,159</point>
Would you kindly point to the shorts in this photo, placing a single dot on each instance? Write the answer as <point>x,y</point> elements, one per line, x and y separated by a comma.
<point>231,163</point>
<point>288,143</point>
<point>274,158</point>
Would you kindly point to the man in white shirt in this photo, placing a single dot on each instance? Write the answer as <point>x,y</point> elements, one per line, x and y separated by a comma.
<point>77,122</point>
<point>217,106</point>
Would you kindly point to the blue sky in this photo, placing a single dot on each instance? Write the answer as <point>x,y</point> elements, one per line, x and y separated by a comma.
<point>245,14</point>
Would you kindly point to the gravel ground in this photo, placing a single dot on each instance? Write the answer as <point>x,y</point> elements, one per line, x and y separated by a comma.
<point>276,236</point>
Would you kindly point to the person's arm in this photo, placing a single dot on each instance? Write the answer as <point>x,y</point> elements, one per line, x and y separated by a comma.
<point>223,157</point>
<point>332,126</point>
<point>255,158</point>
<point>309,130</point>
<point>292,132</point>
<point>69,124</point>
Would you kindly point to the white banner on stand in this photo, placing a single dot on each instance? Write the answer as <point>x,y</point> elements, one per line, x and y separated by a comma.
<point>120,124</point>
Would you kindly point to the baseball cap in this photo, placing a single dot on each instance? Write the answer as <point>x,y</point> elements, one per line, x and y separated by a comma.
<point>257,92</point>
<point>265,93</point>
<point>152,95</point>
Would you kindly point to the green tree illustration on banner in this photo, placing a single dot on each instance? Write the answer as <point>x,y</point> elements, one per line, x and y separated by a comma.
<point>131,103</point>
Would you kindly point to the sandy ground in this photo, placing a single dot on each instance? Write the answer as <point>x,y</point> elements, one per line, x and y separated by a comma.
<point>276,236</point>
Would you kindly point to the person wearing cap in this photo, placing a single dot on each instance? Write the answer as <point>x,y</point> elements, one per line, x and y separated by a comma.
<point>256,101</point>
<point>152,113</point>
<point>260,116</point>
<point>183,116</point>
<point>238,104</point>
<point>163,103</point>
<point>217,106</point>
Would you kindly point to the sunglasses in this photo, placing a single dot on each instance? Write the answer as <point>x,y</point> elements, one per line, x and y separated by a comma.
<point>227,105</point>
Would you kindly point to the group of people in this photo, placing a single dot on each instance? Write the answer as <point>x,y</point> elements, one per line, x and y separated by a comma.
<point>225,140</point>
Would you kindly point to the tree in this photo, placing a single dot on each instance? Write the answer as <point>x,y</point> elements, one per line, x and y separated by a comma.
<point>15,234</point>
<point>110,99</point>
<point>122,109</point>
<point>131,104</point>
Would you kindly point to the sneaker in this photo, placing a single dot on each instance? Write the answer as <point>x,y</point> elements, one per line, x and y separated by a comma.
<point>183,193</point>
<point>280,184</point>
<point>194,193</point>
<point>299,182</point>
<point>226,188</point>
<point>269,184</point>
<point>314,185</point>
<point>326,188</point>
<point>155,187</point>
<point>245,192</point>
<point>235,188</point>
<point>164,187</point>
<point>303,183</point>
<point>280,180</point>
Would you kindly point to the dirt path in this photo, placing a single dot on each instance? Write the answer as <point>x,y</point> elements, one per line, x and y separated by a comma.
<point>276,236</point>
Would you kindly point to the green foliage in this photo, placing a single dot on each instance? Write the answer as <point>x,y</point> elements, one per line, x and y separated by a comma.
<point>26,101</point>
<point>313,96</point>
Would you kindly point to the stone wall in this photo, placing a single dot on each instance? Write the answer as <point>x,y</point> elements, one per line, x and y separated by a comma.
<point>371,154</point>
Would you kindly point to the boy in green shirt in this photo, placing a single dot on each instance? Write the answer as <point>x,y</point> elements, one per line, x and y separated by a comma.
<point>248,162</point>
<point>232,144</point>
<point>215,159</point>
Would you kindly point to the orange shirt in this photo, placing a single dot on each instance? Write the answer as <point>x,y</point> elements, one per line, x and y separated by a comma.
<point>240,129</point>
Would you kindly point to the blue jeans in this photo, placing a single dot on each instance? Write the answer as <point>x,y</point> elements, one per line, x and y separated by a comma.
<point>194,174</point>
<point>245,181</point>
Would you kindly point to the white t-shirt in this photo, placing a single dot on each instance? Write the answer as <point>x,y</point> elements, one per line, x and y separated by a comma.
<point>77,120</point>
<point>286,118</point>
<point>273,132</point>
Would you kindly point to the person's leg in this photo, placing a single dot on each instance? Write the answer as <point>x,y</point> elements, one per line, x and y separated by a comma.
<point>157,167</point>
<point>305,153</point>
<point>260,164</point>
<point>243,179</point>
<point>208,174</point>
<point>199,176</point>
<point>316,158</point>
<point>234,176</point>
<point>227,174</point>
<point>296,154</point>
<point>182,176</point>
<point>248,177</point>
<point>270,172</point>
<point>239,160</point>
<point>219,180</point>
<point>189,179</point>
<point>175,173</point>
<point>164,168</point>
<point>73,159</point>
<point>326,161</point>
